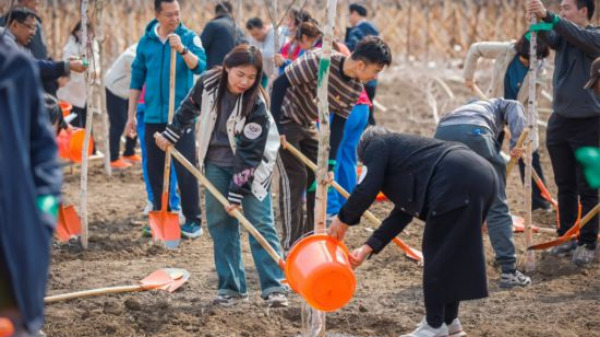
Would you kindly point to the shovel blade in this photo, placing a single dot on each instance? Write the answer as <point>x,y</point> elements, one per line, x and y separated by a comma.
<point>165,228</point>
<point>69,224</point>
<point>168,279</point>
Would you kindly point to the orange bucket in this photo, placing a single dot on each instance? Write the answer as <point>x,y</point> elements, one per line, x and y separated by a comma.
<point>66,108</point>
<point>318,268</point>
<point>70,144</point>
<point>6,327</point>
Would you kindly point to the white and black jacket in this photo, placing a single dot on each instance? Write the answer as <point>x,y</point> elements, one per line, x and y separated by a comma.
<point>254,139</point>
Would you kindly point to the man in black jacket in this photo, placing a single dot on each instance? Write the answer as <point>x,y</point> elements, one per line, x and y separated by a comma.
<point>220,35</point>
<point>448,186</point>
<point>575,122</point>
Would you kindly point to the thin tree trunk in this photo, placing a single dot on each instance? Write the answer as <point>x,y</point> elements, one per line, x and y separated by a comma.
<point>531,122</point>
<point>101,38</point>
<point>88,123</point>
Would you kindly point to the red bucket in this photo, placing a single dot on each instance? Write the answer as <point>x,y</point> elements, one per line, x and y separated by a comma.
<point>66,108</point>
<point>318,269</point>
<point>70,144</point>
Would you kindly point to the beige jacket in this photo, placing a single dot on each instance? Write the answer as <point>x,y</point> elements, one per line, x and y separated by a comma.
<point>503,53</point>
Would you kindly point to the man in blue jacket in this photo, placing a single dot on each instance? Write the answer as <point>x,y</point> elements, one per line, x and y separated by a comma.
<point>30,179</point>
<point>151,68</point>
<point>359,29</point>
<point>575,122</point>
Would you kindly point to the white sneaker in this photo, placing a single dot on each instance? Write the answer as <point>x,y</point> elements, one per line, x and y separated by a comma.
<point>149,207</point>
<point>424,330</point>
<point>455,329</point>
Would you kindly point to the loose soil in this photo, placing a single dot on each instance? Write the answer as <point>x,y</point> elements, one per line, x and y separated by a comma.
<point>563,300</point>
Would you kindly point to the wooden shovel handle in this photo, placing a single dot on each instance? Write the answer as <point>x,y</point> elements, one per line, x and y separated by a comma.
<point>479,93</point>
<point>166,173</point>
<point>513,161</point>
<point>236,214</point>
<point>94,292</point>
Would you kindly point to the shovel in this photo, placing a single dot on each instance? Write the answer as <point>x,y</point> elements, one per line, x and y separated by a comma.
<point>167,279</point>
<point>165,224</point>
<point>410,252</point>
<point>236,213</point>
<point>571,234</point>
<point>69,224</point>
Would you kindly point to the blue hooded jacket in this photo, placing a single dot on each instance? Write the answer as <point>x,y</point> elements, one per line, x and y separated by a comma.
<point>151,67</point>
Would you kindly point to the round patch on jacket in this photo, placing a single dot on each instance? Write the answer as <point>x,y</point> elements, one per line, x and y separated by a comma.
<point>252,130</point>
<point>197,41</point>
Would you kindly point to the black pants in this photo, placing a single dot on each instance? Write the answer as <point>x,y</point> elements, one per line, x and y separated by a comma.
<point>537,201</point>
<point>564,136</point>
<point>188,185</point>
<point>297,179</point>
<point>79,121</point>
<point>117,115</point>
<point>371,90</point>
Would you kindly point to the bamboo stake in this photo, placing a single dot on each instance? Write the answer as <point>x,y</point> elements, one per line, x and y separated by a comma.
<point>88,124</point>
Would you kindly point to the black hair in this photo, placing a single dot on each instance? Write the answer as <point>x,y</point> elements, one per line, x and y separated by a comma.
<point>309,29</point>
<point>20,14</point>
<point>158,3</point>
<point>54,111</point>
<point>372,50</point>
<point>242,55</point>
<point>523,45</point>
<point>299,16</point>
<point>78,28</point>
<point>223,7</point>
<point>589,4</point>
<point>370,133</point>
<point>359,9</point>
<point>254,23</point>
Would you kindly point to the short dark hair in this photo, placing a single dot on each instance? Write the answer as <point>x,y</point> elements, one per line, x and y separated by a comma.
<point>158,3</point>
<point>591,7</point>
<point>299,16</point>
<point>254,23</point>
<point>359,9</point>
<point>223,7</point>
<point>522,46</point>
<point>373,50</point>
<point>20,14</point>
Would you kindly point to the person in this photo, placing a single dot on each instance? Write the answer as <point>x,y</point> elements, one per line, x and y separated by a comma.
<point>74,91</point>
<point>32,178</point>
<point>575,121</point>
<point>295,111</point>
<point>262,36</point>
<point>37,45</point>
<point>237,151</point>
<point>451,189</point>
<point>480,126</point>
<point>510,80</point>
<point>151,67</point>
<point>359,28</point>
<point>220,35</point>
<point>19,31</point>
<point>593,84</point>
<point>117,81</point>
<point>291,50</point>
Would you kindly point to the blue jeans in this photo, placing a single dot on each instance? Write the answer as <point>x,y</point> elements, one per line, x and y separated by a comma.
<point>141,131</point>
<point>345,170</point>
<point>499,220</point>
<point>225,232</point>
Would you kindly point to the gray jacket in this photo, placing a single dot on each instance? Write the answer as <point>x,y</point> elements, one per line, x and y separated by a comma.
<point>576,49</point>
<point>492,114</point>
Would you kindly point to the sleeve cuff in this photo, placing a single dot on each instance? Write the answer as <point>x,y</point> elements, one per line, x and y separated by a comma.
<point>67,68</point>
<point>347,220</point>
<point>235,198</point>
<point>376,244</point>
<point>171,135</point>
<point>331,165</point>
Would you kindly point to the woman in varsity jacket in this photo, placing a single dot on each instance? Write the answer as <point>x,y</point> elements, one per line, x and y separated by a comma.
<point>237,150</point>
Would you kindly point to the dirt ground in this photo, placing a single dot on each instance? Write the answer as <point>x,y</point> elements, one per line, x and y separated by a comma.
<point>563,301</point>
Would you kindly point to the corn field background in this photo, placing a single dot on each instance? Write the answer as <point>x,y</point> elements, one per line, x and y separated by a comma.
<point>417,31</point>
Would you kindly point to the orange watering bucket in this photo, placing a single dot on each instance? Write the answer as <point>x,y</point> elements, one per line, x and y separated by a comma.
<point>70,144</point>
<point>6,327</point>
<point>318,268</point>
<point>66,108</point>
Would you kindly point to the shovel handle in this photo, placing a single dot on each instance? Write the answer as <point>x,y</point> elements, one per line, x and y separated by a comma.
<point>513,161</point>
<point>94,292</point>
<point>167,171</point>
<point>479,93</point>
<point>236,213</point>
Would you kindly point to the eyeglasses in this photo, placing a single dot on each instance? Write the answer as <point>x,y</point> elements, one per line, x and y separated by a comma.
<point>31,26</point>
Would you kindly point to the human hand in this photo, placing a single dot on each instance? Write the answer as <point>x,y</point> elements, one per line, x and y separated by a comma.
<point>337,229</point>
<point>162,142</point>
<point>358,256</point>
<point>283,141</point>
<point>131,128</point>
<point>536,7</point>
<point>175,42</point>
<point>232,208</point>
<point>279,59</point>
<point>517,152</point>
<point>77,66</point>
<point>470,84</point>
